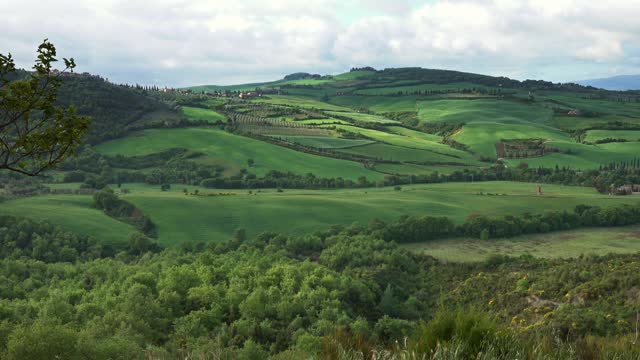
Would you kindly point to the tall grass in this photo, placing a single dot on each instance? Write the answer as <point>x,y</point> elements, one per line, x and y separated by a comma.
<point>470,334</point>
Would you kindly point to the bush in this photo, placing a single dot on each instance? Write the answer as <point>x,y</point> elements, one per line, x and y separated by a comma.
<point>470,327</point>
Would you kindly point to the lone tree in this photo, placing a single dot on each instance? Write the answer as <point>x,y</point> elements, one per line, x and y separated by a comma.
<point>35,134</point>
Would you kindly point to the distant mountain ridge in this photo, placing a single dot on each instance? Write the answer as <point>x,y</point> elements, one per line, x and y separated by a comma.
<point>387,76</point>
<point>618,83</point>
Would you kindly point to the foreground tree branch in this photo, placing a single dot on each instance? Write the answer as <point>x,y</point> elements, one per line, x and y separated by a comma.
<point>35,134</point>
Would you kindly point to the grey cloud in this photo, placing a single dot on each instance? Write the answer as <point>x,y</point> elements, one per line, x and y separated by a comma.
<point>180,42</point>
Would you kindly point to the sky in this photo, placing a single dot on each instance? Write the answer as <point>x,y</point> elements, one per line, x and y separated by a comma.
<point>195,42</point>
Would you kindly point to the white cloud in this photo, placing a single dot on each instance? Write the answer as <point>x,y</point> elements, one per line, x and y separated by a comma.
<point>184,42</point>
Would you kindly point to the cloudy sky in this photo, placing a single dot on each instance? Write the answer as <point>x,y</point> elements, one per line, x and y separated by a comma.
<point>189,42</point>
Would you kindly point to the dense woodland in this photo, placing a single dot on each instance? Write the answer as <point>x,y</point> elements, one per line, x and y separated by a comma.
<point>331,294</point>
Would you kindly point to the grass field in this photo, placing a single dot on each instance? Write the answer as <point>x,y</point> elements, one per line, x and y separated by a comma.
<point>194,113</point>
<point>409,169</point>
<point>324,142</point>
<point>378,104</point>
<point>629,135</point>
<point>482,137</point>
<point>235,150</point>
<point>489,121</point>
<point>322,121</point>
<point>630,110</point>
<point>585,156</point>
<point>409,89</point>
<point>193,218</point>
<point>565,244</point>
<point>481,110</point>
<point>72,212</point>
<point>363,117</point>
<point>413,142</point>
<point>299,101</point>
<point>399,153</point>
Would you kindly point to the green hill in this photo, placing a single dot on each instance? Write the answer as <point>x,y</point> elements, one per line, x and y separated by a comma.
<point>349,133</point>
<point>114,109</point>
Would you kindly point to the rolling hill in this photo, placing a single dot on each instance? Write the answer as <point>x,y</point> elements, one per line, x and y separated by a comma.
<point>329,141</point>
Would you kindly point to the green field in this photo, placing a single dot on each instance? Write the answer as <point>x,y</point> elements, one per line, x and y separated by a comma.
<point>194,113</point>
<point>299,101</point>
<point>409,89</point>
<point>235,150</point>
<point>489,121</point>
<point>565,244</point>
<point>629,135</point>
<point>409,169</point>
<point>182,217</point>
<point>413,142</point>
<point>73,212</point>
<point>324,142</point>
<point>399,153</point>
<point>363,117</point>
<point>585,156</point>
<point>378,104</point>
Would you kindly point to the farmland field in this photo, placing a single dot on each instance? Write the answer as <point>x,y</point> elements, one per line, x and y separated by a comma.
<point>565,244</point>
<point>409,142</point>
<point>194,113</point>
<point>299,101</point>
<point>72,212</point>
<point>183,217</point>
<point>324,142</point>
<point>399,153</point>
<point>363,117</point>
<point>234,149</point>
<point>409,89</point>
<point>629,135</point>
<point>378,104</point>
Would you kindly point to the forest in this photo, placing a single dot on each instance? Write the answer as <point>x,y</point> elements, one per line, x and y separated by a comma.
<point>331,294</point>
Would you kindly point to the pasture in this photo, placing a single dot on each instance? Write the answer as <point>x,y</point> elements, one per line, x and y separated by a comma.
<point>325,142</point>
<point>413,142</point>
<point>73,213</point>
<point>410,89</point>
<point>194,113</point>
<point>564,244</point>
<point>183,217</point>
<point>629,135</point>
<point>299,101</point>
<point>235,150</point>
<point>363,117</point>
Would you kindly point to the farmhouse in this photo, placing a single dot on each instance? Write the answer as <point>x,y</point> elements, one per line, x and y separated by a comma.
<point>626,190</point>
<point>248,95</point>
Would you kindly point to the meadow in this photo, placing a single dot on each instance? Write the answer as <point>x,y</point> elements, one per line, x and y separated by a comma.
<point>181,217</point>
<point>207,115</point>
<point>363,117</point>
<point>583,156</point>
<point>325,142</point>
<point>629,135</point>
<point>73,212</point>
<point>410,89</point>
<point>564,244</point>
<point>235,150</point>
<point>377,104</point>
<point>411,141</point>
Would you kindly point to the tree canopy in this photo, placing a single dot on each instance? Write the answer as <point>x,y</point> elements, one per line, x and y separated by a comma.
<point>35,133</point>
